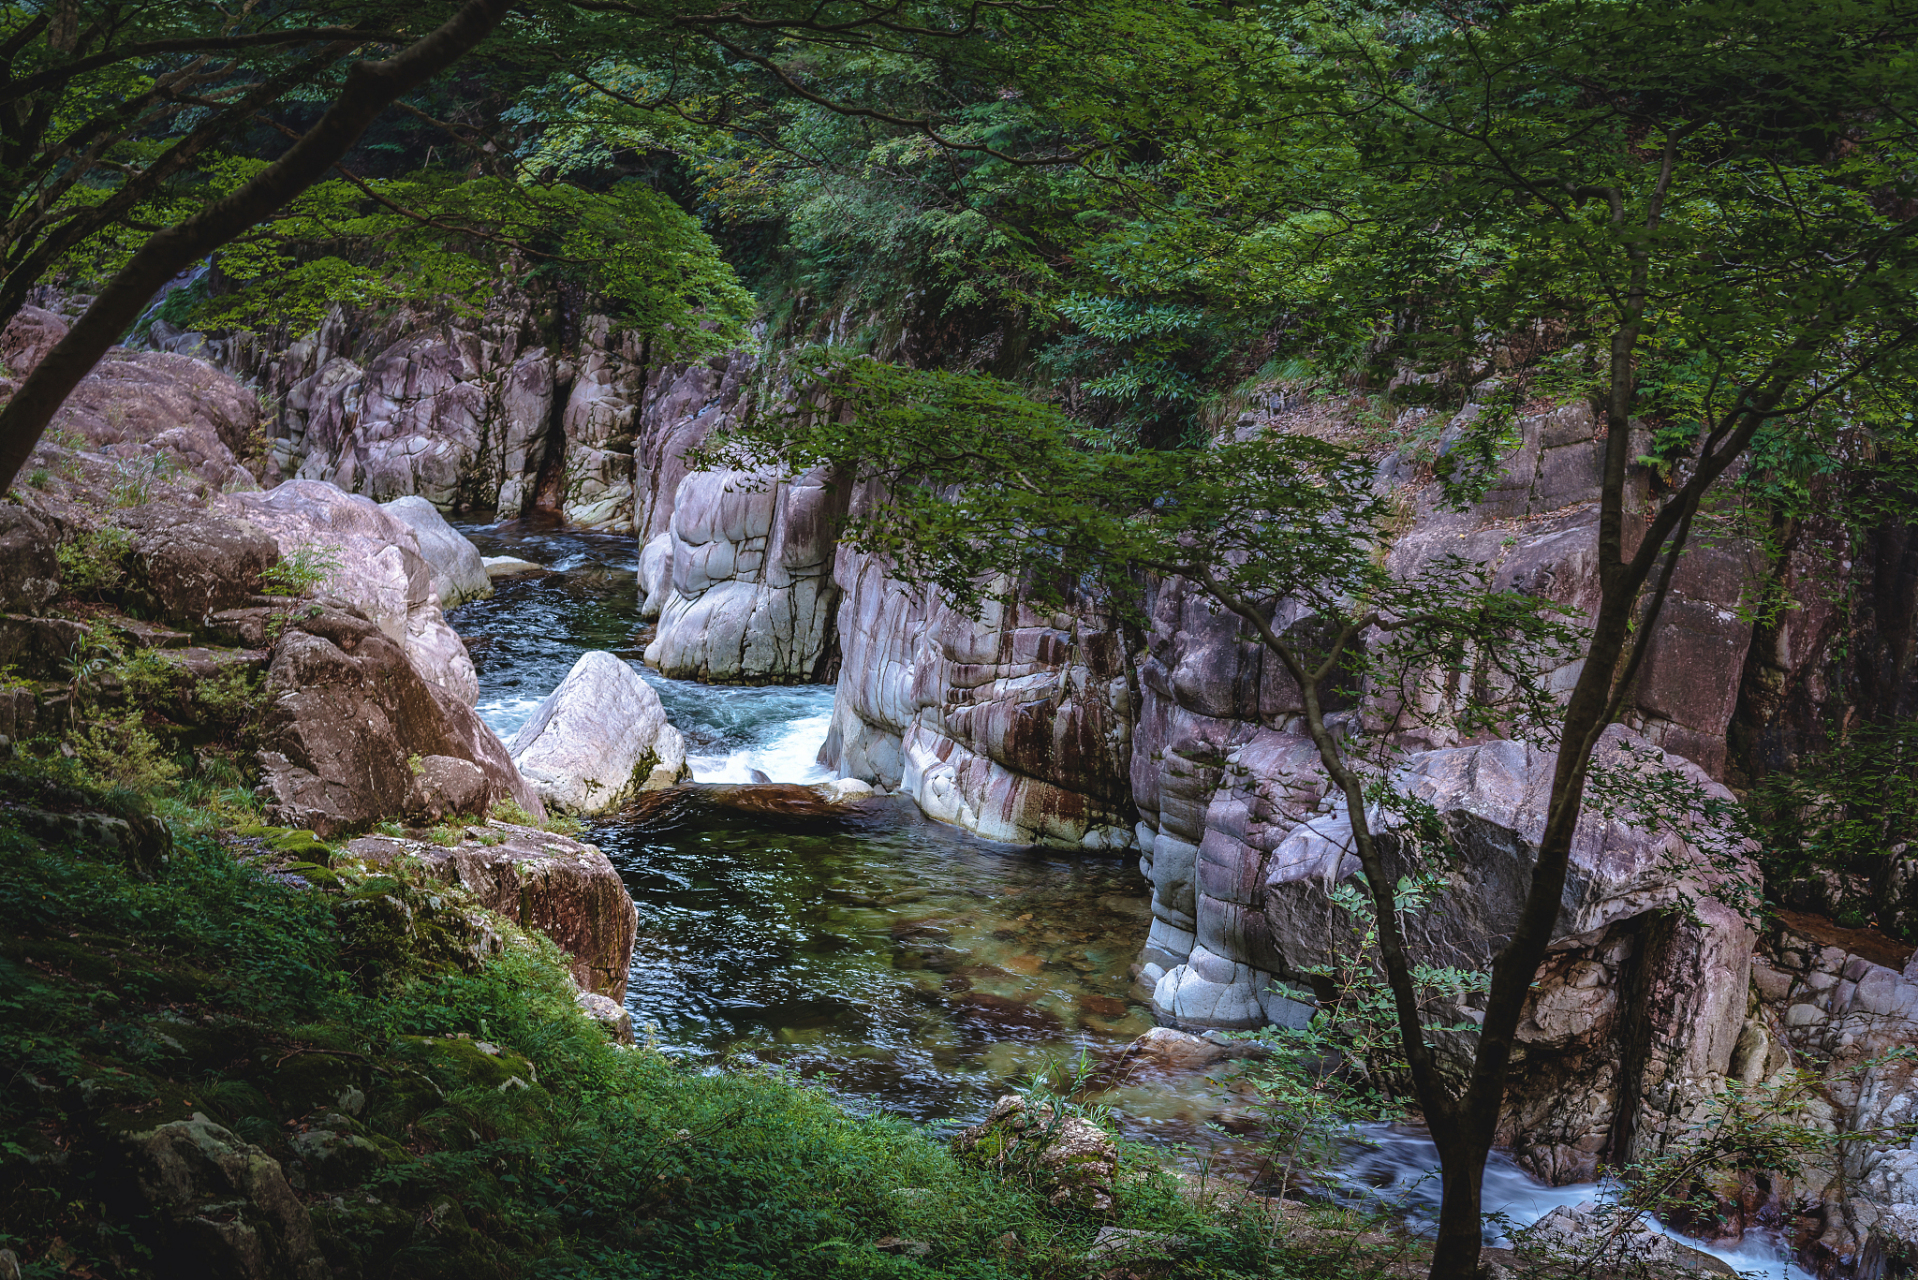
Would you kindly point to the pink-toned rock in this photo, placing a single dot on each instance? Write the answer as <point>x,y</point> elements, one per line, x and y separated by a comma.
<point>348,713</point>
<point>376,567</point>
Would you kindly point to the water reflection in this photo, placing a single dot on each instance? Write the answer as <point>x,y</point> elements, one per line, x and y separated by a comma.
<point>901,960</point>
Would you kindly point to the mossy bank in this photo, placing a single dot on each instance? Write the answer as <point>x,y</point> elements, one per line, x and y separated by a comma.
<point>245,1053</point>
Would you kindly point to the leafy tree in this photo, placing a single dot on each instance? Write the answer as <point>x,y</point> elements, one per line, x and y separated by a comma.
<point>1714,200</point>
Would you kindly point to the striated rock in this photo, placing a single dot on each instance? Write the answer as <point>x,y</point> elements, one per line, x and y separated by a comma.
<point>1073,1161</point>
<point>187,564</point>
<point>378,570</point>
<point>752,596</point>
<point>1259,896</point>
<point>563,888</point>
<point>347,712</point>
<point>459,574</point>
<point>1016,725</point>
<point>599,739</point>
<point>223,1201</point>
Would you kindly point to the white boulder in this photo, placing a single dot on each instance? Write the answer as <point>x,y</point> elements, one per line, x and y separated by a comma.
<point>459,574</point>
<point>598,739</point>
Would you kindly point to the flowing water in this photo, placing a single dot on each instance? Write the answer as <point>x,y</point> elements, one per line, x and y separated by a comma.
<point>906,965</point>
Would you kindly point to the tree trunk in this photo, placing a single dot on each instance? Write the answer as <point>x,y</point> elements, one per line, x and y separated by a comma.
<point>370,88</point>
<point>1460,1233</point>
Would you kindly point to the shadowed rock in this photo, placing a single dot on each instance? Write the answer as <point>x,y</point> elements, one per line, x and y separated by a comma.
<point>565,889</point>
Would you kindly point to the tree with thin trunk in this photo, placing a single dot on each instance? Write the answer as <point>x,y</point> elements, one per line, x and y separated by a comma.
<point>370,87</point>
<point>1712,212</point>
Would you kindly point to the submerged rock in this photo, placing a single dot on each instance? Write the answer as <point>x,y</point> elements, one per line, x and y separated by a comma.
<point>509,566</point>
<point>599,739</point>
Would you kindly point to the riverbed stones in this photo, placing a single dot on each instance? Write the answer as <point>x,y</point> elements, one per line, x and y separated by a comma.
<point>599,739</point>
<point>509,566</point>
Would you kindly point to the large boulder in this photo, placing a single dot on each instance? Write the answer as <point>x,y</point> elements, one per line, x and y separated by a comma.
<point>222,1202</point>
<point>459,574</point>
<point>599,739</point>
<point>562,888</point>
<point>348,721</point>
<point>186,564</point>
<point>376,568</point>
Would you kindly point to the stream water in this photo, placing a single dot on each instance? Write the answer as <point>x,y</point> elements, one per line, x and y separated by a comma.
<point>902,963</point>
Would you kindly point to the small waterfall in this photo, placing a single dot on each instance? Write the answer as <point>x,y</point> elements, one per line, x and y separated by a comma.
<point>1398,1170</point>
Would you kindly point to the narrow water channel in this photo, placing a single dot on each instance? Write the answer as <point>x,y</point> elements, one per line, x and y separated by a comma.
<point>903,964</point>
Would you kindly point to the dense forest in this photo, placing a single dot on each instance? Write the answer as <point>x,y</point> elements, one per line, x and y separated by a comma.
<point>1431,486</point>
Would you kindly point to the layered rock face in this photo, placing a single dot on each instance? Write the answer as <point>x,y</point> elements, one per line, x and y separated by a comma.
<point>1016,724</point>
<point>736,567</point>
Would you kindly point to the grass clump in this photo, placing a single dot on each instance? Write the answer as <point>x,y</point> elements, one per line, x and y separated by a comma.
<point>94,562</point>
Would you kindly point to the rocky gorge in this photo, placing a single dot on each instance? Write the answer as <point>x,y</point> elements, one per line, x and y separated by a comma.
<point>1179,746</point>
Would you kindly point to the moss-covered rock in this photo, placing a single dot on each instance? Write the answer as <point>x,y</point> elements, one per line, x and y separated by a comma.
<point>457,1062</point>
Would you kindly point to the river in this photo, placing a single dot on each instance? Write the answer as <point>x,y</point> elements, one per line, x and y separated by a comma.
<point>901,963</point>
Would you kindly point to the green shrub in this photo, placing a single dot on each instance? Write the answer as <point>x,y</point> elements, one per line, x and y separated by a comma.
<point>94,563</point>
<point>298,574</point>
